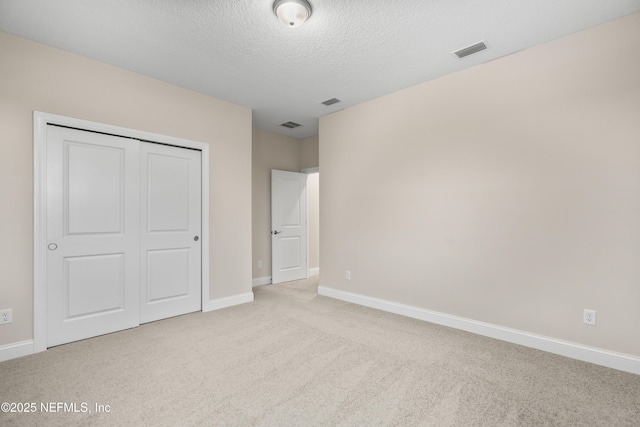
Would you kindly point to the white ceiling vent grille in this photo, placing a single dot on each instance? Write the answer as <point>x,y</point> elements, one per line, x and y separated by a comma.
<point>470,50</point>
<point>291,125</point>
<point>331,101</point>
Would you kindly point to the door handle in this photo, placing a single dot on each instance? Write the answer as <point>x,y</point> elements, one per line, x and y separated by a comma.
<point>52,246</point>
<point>277,232</point>
<point>196,238</point>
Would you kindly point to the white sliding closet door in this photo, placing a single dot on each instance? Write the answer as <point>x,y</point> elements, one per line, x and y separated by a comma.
<point>93,234</point>
<point>123,233</point>
<point>171,224</point>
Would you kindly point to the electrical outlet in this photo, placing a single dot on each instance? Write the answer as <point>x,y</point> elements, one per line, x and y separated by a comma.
<point>347,275</point>
<point>6,316</point>
<point>589,317</point>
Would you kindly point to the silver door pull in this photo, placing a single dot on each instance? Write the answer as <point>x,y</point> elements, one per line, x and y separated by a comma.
<point>277,232</point>
<point>52,246</point>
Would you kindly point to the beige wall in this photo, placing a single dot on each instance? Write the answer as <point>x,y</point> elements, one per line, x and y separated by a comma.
<point>507,193</point>
<point>309,152</point>
<point>274,151</point>
<point>270,151</point>
<point>38,77</point>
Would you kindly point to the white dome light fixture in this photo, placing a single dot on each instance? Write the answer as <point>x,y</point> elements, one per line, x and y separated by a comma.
<point>292,13</point>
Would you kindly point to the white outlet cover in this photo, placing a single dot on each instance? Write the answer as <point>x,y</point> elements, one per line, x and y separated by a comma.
<point>6,316</point>
<point>589,317</point>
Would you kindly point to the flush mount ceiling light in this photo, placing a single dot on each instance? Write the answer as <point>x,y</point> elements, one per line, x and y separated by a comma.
<point>292,13</point>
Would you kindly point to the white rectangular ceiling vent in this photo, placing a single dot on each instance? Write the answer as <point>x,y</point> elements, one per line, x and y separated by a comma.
<point>470,50</point>
<point>291,125</point>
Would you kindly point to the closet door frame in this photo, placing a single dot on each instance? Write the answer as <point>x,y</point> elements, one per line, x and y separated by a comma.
<point>40,122</point>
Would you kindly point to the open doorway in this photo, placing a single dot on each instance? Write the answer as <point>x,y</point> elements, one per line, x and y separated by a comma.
<point>294,225</point>
<point>313,223</point>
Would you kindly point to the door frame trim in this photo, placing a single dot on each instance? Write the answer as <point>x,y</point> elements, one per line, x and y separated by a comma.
<point>40,122</point>
<point>309,171</point>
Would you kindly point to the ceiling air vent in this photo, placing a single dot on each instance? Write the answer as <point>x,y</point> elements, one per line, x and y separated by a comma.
<point>291,125</point>
<point>470,50</point>
<point>331,101</point>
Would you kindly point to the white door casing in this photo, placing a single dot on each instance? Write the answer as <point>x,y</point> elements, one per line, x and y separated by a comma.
<point>308,172</point>
<point>170,232</point>
<point>92,234</point>
<point>288,226</point>
<point>41,129</point>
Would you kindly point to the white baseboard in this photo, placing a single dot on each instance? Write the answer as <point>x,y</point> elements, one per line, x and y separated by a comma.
<point>17,349</point>
<point>260,281</point>
<point>220,303</point>
<point>266,280</point>
<point>24,348</point>
<point>593,355</point>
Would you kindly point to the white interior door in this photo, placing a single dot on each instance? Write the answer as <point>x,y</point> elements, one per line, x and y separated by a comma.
<point>92,234</point>
<point>288,226</point>
<point>170,225</point>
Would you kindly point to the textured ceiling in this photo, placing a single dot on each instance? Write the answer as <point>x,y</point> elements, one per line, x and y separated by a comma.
<point>354,50</point>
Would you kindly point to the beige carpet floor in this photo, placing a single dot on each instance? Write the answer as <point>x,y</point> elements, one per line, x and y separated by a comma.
<point>293,358</point>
